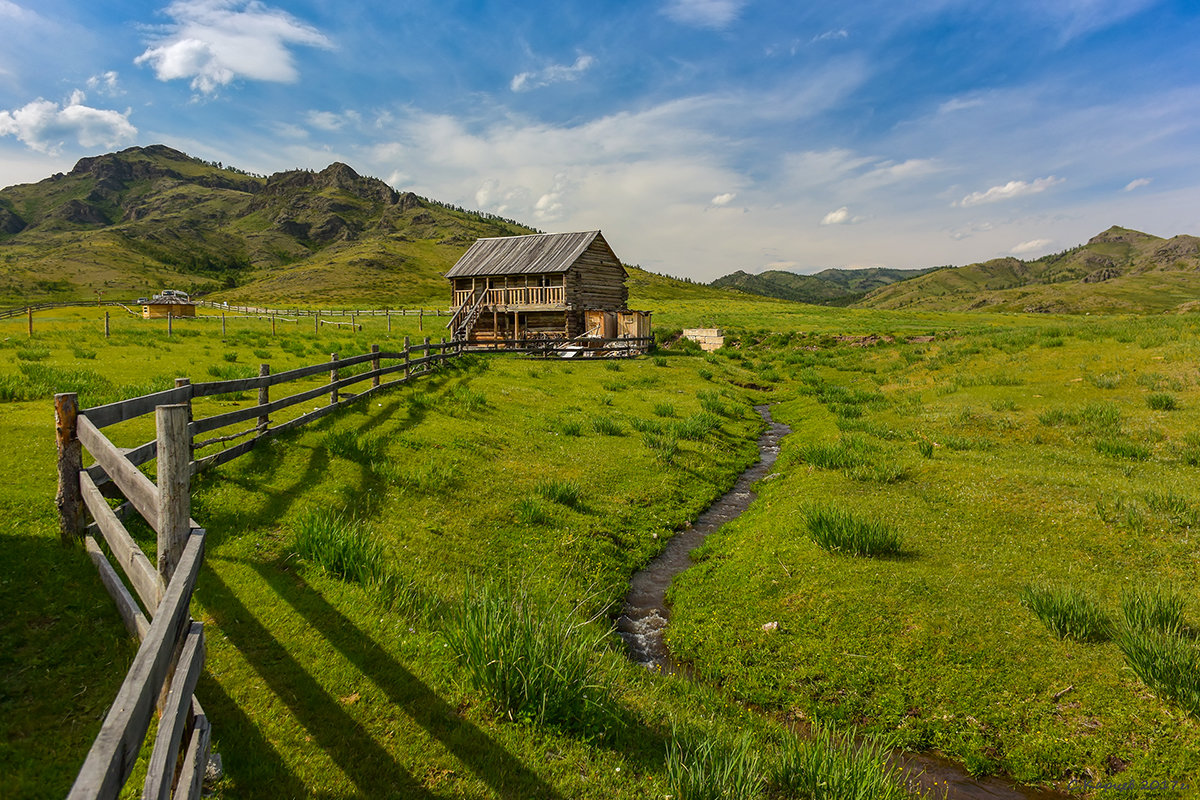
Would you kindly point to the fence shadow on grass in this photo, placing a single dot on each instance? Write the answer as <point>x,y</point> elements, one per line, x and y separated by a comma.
<point>370,767</point>
<point>489,761</point>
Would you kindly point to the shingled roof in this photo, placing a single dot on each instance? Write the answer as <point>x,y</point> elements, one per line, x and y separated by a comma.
<point>536,253</point>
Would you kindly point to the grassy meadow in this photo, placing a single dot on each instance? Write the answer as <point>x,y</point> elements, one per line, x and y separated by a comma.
<point>380,588</point>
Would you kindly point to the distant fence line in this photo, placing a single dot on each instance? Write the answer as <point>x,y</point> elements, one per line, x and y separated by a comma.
<point>9,313</point>
<point>170,658</point>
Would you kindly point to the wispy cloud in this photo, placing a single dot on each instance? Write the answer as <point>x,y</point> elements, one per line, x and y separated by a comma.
<point>714,14</point>
<point>10,10</point>
<point>105,83</point>
<point>46,126</point>
<point>555,73</point>
<point>1008,191</point>
<point>332,120</point>
<point>214,42</point>
<point>1032,246</point>
<point>840,33</point>
<point>1137,183</point>
<point>723,199</point>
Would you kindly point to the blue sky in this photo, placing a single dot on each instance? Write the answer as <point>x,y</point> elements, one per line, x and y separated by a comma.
<point>702,136</point>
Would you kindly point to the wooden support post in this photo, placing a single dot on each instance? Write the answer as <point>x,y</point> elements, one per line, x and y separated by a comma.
<point>106,325</point>
<point>495,326</point>
<point>179,384</point>
<point>354,322</point>
<point>222,323</point>
<point>407,367</point>
<point>316,322</point>
<point>375,364</point>
<point>442,352</point>
<point>70,461</point>
<point>29,315</point>
<point>389,316</point>
<point>170,317</point>
<point>174,487</point>
<point>333,376</point>
<point>272,324</point>
<point>421,320</point>
<point>264,397</point>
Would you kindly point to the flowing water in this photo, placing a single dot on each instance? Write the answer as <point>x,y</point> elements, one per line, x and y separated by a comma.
<point>645,616</point>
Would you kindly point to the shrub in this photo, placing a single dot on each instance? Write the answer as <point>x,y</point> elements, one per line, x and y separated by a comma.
<point>1161,401</point>
<point>713,768</point>
<point>830,766</point>
<point>1069,613</point>
<point>536,664</point>
<point>840,531</point>
<point>564,492</point>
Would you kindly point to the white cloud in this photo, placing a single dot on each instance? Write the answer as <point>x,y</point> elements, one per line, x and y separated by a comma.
<point>332,121</point>
<point>714,14</point>
<point>11,10</point>
<point>555,73</point>
<point>1137,184</point>
<point>1033,245</point>
<point>105,83</point>
<point>841,216</point>
<point>45,126</point>
<point>1009,190</point>
<point>723,199</point>
<point>213,42</point>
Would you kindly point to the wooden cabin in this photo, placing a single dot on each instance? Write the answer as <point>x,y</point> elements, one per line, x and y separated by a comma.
<point>168,303</point>
<point>548,286</point>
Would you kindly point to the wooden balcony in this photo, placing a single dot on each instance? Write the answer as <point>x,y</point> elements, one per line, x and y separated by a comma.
<point>516,298</point>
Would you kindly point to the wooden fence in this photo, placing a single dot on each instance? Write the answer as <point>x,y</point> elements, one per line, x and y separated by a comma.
<point>171,655</point>
<point>9,313</point>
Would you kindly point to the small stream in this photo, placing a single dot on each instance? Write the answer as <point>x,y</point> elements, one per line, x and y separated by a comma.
<point>644,619</point>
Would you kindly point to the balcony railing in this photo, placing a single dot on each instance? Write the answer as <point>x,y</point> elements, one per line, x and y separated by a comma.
<point>515,296</point>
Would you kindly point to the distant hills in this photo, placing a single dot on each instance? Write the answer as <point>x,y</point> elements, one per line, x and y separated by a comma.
<point>830,287</point>
<point>133,222</point>
<point>145,218</point>
<point>1119,270</point>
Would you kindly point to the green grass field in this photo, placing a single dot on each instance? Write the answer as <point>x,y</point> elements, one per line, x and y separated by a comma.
<point>1006,451</point>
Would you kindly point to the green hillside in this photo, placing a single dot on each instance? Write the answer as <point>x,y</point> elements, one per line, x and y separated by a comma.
<point>830,287</point>
<point>1119,270</point>
<point>132,222</point>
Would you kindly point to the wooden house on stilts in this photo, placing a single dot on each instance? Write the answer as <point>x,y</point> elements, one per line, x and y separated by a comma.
<point>549,291</point>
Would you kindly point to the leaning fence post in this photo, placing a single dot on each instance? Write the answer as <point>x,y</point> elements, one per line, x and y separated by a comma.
<point>375,364</point>
<point>29,314</point>
<point>407,366</point>
<point>333,377</point>
<point>421,320</point>
<point>70,461</point>
<point>174,485</point>
<point>264,397</point>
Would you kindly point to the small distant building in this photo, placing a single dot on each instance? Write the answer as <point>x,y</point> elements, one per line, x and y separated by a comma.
<point>542,287</point>
<point>168,303</point>
<point>709,339</point>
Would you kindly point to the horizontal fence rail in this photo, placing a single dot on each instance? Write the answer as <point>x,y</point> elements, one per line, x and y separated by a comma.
<point>20,311</point>
<point>170,658</point>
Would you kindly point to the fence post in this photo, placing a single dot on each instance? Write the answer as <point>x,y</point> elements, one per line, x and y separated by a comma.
<point>316,321</point>
<point>222,323</point>
<point>170,317</point>
<point>354,322</point>
<point>442,353</point>
<point>389,316</point>
<point>179,384</point>
<point>174,485</point>
<point>272,324</point>
<point>264,397</point>
<point>375,364</point>
<point>407,367</point>
<point>105,324</point>
<point>333,376</point>
<point>425,367</point>
<point>421,320</point>
<point>70,460</point>
<point>29,314</point>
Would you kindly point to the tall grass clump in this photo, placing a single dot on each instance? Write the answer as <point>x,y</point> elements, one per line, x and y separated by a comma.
<point>697,426</point>
<point>348,444</point>
<point>664,410</point>
<point>463,399</point>
<point>32,353</point>
<point>840,531</point>
<point>713,768</point>
<point>1152,609</point>
<point>535,663</point>
<point>529,511</point>
<point>1068,613</point>
<point>607,426</point>
<point>839,766</point>
<point>568,427</point>
<point>1122,448</point>
<point>564,492</point>
<point>1161,401</point>
<point>845,453</point>
<point>341,547</point>
<point>664,445</point>
<point>428,475</point>
<point>1167,662</point>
